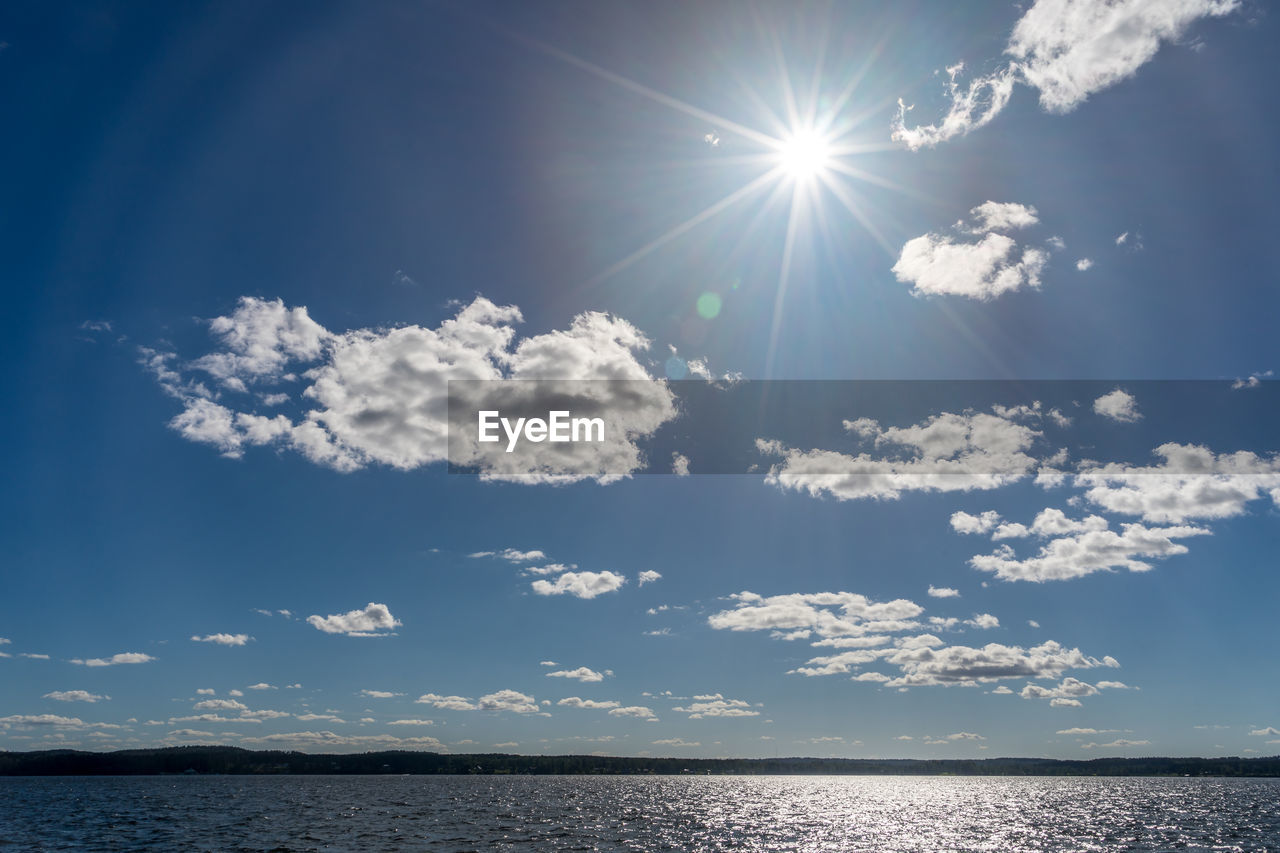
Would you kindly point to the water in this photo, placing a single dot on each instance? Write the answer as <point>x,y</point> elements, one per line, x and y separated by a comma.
<point>882,814</point>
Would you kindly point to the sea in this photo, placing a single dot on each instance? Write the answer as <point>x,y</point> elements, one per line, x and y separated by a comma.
<point>694,813</point>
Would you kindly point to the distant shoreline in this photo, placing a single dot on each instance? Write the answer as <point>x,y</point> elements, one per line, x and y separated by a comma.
<point>226,760</point>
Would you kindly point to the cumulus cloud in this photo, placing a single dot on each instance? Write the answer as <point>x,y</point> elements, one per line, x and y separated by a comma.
<point>503,700</point>
<point>590,704</point>
<point>74,696</point>
<point>679,464</point>
<point>943,592</point>
<point>1118,405</point>
<point>963,522</point>
<point>1084,265</point>
<point>511,555</point>
<point>115,660</point>
<point>222,639</point>
<point>648,576</point>
<point>582,673</point>
<point>1191,483</point>
<point>580,584</point>
<point>956,265</point>
<point>379,694</point>
<point>1066,50</point>
<point>379,396</point>
<point>327,739</point>
<point>373,621</point>
<point>947,452</point>
<point>715,705</point>
<point>1098,548</point>
<point>638,711</point>
<point>1254,380</point>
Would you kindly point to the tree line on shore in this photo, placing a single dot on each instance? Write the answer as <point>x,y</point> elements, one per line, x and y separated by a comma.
<point>190,760</point>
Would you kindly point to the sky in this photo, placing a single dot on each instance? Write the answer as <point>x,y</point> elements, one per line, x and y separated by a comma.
<point>250,250</point>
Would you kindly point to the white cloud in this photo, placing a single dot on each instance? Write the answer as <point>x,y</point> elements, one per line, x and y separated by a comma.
<point>582,673</point>
<point>51,721</point>
<point>329,739</point>
<point>963,522</point>
<point>943,591</point>
<point>947,452</point>
<point>261,685</point>
<point>220,705</point>
<point>963,665</point>
<point>675,741</point>
<point>508,700</point>
<point>379,694</point>
<point>447,703</point>
<point>205,691</point>
<point>372,621</point>
<point>638,711</point>
<point>115,660</point>
<point>717,706</point>
<point>648,576</point>
<point>1118,405</point>
<point>580,584</point>
<point>679,464</point>
<point>411,723</point>
<point>1192,482</point>
<point>378,396</point>
<point>74,696</point>
<point>512,555</point>
<point>983,621</point>
<point>1266,732</point>
<point>939,264</point>
<point>1084,264</point>
<point>1070,690</point>
<point>828,614</point>
<point>1254,380</point>
<point>1119,743</point>
<point>222,639</point>
<point>592,704</point>
<point>1067,50</point>
<point>327,718</point>
<point>1091,551</point>
<point>503,700</point>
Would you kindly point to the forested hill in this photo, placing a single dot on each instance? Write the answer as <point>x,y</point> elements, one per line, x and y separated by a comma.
<point>232,760</point>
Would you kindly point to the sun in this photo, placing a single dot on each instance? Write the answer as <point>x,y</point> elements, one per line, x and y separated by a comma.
<point>805,154</point>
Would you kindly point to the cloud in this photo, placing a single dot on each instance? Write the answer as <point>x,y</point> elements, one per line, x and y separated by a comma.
<point>638,711</point>
<point>1118,405</point>
<point>579,674</point>
<point>220,705</point>
<point>447,703</point>
<point>372,621</point>
<point>828,614</point>
<point>963,522</point>
<point>1192,482</point>
<point>1094,550</point>
<point>963,665</point>
<point>411,723</point>
<point>508,700</point>
<point>51,721</point>
<point>378,396</point>
<point>576,702</point>
<point>1115,744</point>
<point>1066,50</point>
<point>580,584</point>
<point>511,555</point>
<point>205,691</point>
<point>115,660</point>
<point>675,741</point>
<point>261,685</point>
<point>329,739</point>
<point>1068,692</point>
<point>1267,732</point>
<point>717,706</point>
<point>984,621</point>
<point>939,264</point>
<point>648,576</point>
<point>379,694</point>
<point>222,639</point>
<point>503,700</point>
<point>1084,265</point>
<point>74,696</point>
<point>1254,380</point>
<point>947,452</point>
<point>679,464</point>
<point>943,591</point>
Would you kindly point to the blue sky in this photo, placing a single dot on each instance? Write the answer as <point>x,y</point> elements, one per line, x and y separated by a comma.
<point>247,246</point>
